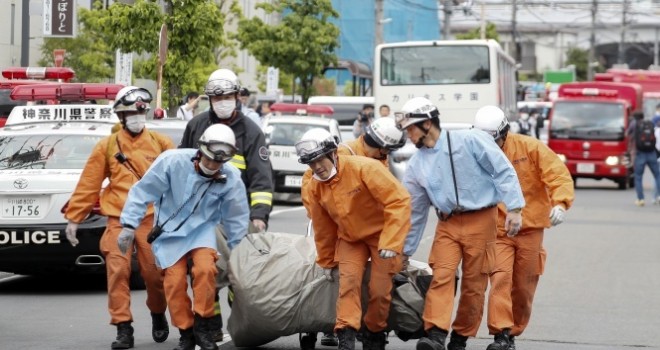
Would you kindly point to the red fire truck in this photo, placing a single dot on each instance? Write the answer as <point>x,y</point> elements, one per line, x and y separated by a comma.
<point>19,76</point>
<point>588,126</point>
<point>648,80</point>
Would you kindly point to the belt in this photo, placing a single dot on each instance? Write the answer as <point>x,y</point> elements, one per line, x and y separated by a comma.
<point>444,217</point>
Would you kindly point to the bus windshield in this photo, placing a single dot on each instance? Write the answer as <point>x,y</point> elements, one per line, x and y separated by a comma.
<point>434,65</point>
<point>588,121</point>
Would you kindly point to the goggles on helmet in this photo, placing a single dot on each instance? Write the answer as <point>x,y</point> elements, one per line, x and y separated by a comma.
<point>373,140</point>
<point>403,120</point>
<point>217,151</point>
<point>310,150</point>
<point>134,96</point>
<point>219,87</point>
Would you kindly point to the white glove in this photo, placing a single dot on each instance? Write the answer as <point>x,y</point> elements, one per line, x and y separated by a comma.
<point>387,254</point>
<point>328,274</point>
<point>513,223</point>
<point>125,239</point>
<point>71,229</point>
<point>557,215</point>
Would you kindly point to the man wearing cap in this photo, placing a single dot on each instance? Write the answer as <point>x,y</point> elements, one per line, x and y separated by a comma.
<point>463,175</point>
<point>123,158</point>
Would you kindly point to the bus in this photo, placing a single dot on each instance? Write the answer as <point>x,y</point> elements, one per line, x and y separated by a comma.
<point>458,76</point>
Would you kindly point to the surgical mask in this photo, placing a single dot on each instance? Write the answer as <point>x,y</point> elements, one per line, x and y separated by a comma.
<point>224,108</point>
<point>206,171</point>
<point>135,123</point>
<point>333,172</point>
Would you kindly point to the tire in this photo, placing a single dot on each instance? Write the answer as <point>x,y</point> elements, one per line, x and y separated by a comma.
<point>623,183</point>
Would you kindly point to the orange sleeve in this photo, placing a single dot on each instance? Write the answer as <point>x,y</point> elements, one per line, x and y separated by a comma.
<point>325,229</point>
<point>90,184</point>
<point>556,177</point>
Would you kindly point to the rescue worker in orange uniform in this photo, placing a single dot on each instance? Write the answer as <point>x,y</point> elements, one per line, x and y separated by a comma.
<point>359,210</point>
<point>123,158</point>
<point>380,138</point>
<point>194,190</point>
<point>464,175</point>
<point>548,189</point>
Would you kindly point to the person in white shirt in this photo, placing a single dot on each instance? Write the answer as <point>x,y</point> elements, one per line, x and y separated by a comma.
<point>187,110</point>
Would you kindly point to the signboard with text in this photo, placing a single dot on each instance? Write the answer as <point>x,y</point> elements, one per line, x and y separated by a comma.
<point>59,18</point>
<point>123,68</point>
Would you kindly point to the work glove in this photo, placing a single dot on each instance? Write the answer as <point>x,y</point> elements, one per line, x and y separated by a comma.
<point>327,273</point>
<point>259,225</point>
<point>557,215</point>
<point>513,223</point>
<point>125,239</point>
<point>71,229</point>
<point>387,254</point>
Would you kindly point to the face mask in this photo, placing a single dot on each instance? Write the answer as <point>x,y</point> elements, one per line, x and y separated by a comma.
<point>224,108</point>
<point>206,171</point>
<point>135,123</point>
<point>333,171</point>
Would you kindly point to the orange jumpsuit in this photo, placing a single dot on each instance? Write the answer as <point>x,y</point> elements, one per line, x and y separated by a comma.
<point>520,260</point>
<point>356,147</point>
<point>358,212</point>
<point>141,151</point>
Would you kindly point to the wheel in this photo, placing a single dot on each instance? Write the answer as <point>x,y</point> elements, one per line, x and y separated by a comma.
<point>623,183</point>
<point>574,182</point>
<point>631,181</point>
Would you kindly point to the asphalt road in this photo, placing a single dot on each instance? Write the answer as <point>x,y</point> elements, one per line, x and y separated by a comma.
<point>599,290</point>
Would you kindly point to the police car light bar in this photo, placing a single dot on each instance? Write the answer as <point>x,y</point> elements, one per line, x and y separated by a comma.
<point>591,92</point>
<point>10,84</point>
<point>39,73</point>
<point>65,92</point>
<point>302,109</point>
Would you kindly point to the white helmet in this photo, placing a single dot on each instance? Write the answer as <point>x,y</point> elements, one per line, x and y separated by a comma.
<point>314,144</point>
<point>492,120</point>
<point>222,82</point>
<point>383,133</point>
<point>218,143</point>
<point>132,99</point>
<point>417,109</point>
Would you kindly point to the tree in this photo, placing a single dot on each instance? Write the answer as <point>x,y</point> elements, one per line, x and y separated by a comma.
<point>491,33</point>
<point>301,45</point>
<point>580,58</point>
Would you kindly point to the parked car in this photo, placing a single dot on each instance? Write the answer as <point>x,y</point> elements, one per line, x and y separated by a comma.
<point>282,131</point>
<point>171,127</point>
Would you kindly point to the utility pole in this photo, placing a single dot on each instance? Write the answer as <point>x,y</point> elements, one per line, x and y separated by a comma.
<point>379,22</point>
<point>482,30</point>
<point>592,42</point>
<point>446,26</point>
<point>514,32</point>
<point>624,24</point>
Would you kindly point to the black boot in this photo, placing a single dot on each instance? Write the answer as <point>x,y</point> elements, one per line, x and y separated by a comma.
<point>512,343</point>
<point>187,340</point>
<point>373,340</point>
<point>434,340</point>
<point>215,326</point>
<point>346,338</point>
<point>501,342</point>
<point>329,339</point>
<point>203,335</point>
<point>159,328</point>
<point>124,336</point>
<point>457,341</point>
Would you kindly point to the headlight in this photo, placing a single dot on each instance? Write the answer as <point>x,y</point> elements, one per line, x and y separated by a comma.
<point>562,157</point>
<point>612,160</point>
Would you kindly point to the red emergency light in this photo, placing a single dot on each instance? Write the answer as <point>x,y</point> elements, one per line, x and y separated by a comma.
<point>63,73</point>
<point>303,109</point>
<point>590,92</point>
<point>65,92</point>
<point>10,84</point>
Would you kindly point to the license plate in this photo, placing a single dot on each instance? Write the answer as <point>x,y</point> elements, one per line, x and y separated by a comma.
<point>293,181</point>
<point>23,207</point>
<point>586,168</point>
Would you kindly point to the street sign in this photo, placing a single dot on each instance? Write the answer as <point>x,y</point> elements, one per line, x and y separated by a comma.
<point>58,57</point>
<point>272,80</point>
<point>123,68</point>
<point>59,18</point>
<point>559,76</point>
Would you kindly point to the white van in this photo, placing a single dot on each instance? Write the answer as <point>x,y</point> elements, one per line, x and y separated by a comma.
<point>346,107</point>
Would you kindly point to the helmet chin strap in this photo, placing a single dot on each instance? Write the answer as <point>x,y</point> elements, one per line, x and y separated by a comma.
<point>420,142</point>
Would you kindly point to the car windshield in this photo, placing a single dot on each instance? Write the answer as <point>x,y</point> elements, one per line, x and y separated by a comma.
<point>287,134</point>
<point>588,120</point>
<point>46,151</point>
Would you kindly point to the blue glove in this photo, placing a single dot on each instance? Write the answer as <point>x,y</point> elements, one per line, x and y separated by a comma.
<point>125,239</point>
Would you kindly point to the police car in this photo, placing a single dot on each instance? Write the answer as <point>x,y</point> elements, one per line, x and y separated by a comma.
<point>43,149</point>
<point>283,130</point>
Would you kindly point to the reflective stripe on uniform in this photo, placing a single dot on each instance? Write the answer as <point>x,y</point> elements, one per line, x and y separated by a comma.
<point>238,161</point>
<point>261,198</point>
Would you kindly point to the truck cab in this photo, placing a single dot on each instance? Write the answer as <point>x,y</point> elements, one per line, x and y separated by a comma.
<point>588,126</point>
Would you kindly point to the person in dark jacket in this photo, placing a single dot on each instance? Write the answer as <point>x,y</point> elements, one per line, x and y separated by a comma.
<point>251,159</point>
